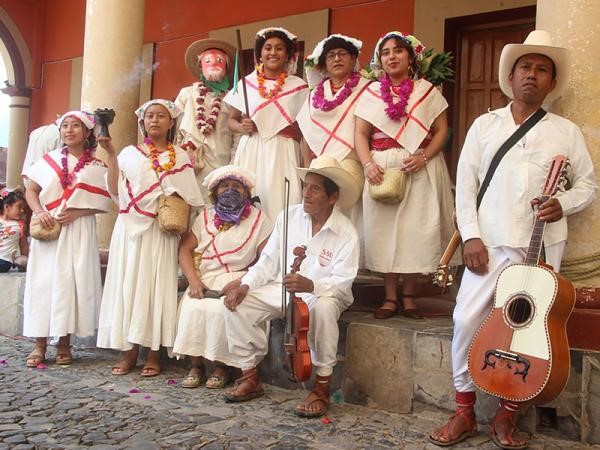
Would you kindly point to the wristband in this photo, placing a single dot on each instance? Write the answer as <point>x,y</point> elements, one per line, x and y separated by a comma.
<point>367,164</point>
<point>424,157</point>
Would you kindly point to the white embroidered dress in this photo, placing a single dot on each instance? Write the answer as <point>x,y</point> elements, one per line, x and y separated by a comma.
<point>408,237</point>
<point>63,286</point>
<point>225,257</point>
<point>139,303</point>
<point>269,155</point>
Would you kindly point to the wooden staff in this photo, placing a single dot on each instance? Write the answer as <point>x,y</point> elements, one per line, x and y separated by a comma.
<point>240,71</point>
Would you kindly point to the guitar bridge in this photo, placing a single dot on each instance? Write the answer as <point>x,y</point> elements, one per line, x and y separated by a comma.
<point>521,364</point>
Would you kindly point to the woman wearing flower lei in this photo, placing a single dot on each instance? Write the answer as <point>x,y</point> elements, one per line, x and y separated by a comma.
<point>225,239</point>
<point>401,123</point>
<point>139,303</point>
<point>270,144</point>
<point>63,287</point>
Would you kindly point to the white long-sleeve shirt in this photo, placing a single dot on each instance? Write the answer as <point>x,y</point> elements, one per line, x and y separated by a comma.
<point>505,217</point>
<point>331,255</point>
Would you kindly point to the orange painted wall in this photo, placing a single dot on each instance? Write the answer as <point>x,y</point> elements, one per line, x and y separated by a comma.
<point>54,29</point>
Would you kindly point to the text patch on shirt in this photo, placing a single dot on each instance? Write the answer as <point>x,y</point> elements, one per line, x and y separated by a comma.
<point>325,257</point>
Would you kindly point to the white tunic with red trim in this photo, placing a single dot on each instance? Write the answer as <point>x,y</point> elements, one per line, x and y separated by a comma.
<point>408,237</point>
<point>139,186</point>
<point>269,155</point>
<point>63,286</point>
<point>139,302</point>
<point>225,257</point>
<point>331,132</point>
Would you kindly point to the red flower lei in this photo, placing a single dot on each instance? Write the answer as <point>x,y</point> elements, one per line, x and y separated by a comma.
<point>320,102</point>
<point>260,74</point>
<point>221,225</point>
<point>67,178</point>
<point>395,111</point>
<point>206,126</point>
<point>154,152</point>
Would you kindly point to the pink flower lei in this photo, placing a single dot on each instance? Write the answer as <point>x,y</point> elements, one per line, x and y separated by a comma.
<point>395,111</point>
<point>67,178</point>
<point>320,102</point>
<point>206,126</point>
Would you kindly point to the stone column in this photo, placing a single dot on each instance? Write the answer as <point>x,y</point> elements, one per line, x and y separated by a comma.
<point>18,121</point>
<point>575,24</point>
<point>112,53</point>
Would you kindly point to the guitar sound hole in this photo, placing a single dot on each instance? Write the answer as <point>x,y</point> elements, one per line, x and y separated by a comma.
<point>519,311</point>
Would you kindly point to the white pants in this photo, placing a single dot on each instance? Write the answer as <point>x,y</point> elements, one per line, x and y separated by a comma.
<point>247,332</point>
<point>474,301</point>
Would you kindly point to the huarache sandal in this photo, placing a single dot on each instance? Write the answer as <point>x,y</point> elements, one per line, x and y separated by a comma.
<point>319,397</point>
<point>460,426</point>
<point>150,370</point>
<point>385,313</point>
<point>193,380</point>
<point>218,378</point>
<point>123,367</point>
<point>503,430</point>
<point>412,312</point>
<point>63,355</point>
<point>37,356</point>
<point>247,387</point>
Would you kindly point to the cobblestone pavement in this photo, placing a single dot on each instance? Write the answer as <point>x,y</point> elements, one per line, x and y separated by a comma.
<point>83,405</point>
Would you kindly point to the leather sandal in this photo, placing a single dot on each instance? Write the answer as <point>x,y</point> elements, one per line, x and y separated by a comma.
<point>63,355</point>
<point>247,387</point>
<point>320,394</point>
<point>193,380</point>
<point>411,313</point>
<point>386,313</point>
<point>460,426</point>
<point>218,378</point>
<point>37,356</point>
<point>504,428</point>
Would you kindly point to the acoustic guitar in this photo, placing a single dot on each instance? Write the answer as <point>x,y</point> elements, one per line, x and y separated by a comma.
<point>521,351</point>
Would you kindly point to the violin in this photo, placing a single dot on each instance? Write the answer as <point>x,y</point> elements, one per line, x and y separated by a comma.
<point>295,311</point>
<point>297,352</point>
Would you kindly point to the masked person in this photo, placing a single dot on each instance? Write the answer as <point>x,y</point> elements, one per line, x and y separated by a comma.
<point>203,124</point>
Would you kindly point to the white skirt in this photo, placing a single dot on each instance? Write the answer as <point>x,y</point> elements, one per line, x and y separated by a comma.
<point>139,304</point>
<point>201,324</point>
<point>63,287</point>
<point>409,237</point>
<point>271,161</point>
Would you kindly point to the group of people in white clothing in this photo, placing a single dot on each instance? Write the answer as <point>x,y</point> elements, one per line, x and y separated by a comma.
<point>335,138</point>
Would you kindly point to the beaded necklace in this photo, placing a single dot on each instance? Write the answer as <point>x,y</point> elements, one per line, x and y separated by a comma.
<point>154,152</point>
<point>320,102</point>
<point>260,74</point>
<point>395,111</point>
<point>67,178</point>
<point>206,126</point>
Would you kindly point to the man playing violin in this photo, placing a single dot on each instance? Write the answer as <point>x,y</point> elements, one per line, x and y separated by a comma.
<point>323,281</point>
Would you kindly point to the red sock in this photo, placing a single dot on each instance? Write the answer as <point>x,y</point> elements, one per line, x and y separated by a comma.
<point>465,399</point>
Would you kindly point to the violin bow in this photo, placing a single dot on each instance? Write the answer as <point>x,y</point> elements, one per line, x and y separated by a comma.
<point>241,70</point>
<point>286,204</point>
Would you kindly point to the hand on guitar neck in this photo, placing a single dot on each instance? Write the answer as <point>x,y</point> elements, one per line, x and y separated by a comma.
<point>548,211</point>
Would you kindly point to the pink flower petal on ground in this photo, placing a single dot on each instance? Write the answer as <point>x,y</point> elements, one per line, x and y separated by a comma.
<point>147,397</point>
<point>3,362</point>
<point>41,366</point>
<point>171,382</point>
<point>326,420</point>
<point>135,390</point>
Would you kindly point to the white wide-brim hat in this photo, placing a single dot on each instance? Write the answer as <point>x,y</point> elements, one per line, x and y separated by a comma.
<point>330,168</point>
<point>540,42</point>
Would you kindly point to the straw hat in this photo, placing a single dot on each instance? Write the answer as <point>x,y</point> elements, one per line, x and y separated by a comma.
<point>538,41</point>
<point>197,48</point>
<point>330,168</point>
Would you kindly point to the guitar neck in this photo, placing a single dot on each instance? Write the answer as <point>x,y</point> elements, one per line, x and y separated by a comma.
<point>535,243</point>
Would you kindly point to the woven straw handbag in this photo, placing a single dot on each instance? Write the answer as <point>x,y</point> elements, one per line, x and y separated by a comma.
<point>173,214</point>
<point>41,233</point>
<point>393,187</point>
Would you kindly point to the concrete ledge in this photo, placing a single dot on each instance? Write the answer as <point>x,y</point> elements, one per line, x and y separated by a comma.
<point>12,286</point>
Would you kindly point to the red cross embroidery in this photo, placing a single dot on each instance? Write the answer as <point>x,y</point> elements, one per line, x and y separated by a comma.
<point>274,100</point>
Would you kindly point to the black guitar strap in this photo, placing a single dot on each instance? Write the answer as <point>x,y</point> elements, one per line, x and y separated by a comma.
<point>504,148</point>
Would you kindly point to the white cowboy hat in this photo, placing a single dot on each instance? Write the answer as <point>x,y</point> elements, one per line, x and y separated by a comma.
<point>330,168</point>
<point>538,41</point>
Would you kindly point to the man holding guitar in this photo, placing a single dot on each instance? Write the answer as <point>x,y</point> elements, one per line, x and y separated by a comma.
<point>496,227</point>
<point>323,281</point>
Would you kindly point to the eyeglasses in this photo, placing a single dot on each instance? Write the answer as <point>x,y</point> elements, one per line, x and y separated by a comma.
<point>330,56</point>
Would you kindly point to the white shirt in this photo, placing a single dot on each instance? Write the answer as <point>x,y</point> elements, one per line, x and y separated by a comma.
<point>331,255</point>
<point>505,217</point>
